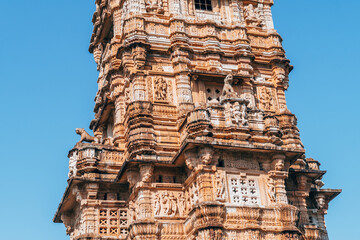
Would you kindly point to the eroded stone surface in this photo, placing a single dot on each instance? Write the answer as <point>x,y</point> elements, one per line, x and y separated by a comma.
<point>192,135</point>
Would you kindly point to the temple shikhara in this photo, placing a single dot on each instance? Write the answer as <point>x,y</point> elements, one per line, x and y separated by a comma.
<point>192,138</point>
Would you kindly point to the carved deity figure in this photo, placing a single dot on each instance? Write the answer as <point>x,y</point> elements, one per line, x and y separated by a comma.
<point>181,204</point>
<point>173,204</point>
<point>279,164</point>
<point>161,88</point>
<point>228,90</point>
<point>252,16</point>
<point>157,206</point>
<point>239,115</point>
<point>270,189</point>
<point>220,186</point>
<point>167,204</point>
<point>267,99</point>
<point>320,201</point>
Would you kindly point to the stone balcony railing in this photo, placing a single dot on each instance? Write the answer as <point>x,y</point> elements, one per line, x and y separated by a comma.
<point>219,122</point>
<point>94,161</point>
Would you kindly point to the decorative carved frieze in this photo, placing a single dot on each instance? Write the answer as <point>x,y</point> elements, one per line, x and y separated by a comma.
<point>192,135</point>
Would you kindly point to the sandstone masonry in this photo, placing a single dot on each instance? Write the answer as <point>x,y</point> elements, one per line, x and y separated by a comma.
<point>192,136</point>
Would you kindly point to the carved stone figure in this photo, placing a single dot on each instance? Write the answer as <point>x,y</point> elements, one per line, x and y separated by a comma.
<point>181,204</point>
<point>320,201</point>
<point>146,172</point>
<point>206,155</point>
<point>167,204</point>
<point>220,186</point>
<point>279,164</point>
<point>157,207</point>
<point>252,16</point>
<point>279,76</point>
<point>161,89</point>
<point>228,90</point>
<point>271,189</point>
<point>139,56</point>
<point>85,137</point>
<point>266,99</point>
<point>239,115</point>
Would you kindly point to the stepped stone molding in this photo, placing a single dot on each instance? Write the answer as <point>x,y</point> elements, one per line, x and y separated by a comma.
<point>192,138</point>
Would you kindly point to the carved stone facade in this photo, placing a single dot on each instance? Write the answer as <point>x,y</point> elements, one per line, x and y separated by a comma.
<point>192,135</point>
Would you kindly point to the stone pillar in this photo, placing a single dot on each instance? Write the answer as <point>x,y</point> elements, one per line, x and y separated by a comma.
<point>118,85</point>
<point>89,217</point>
<point>180,59</point>
<point>302,207</point>
<point>144,194</point>
<point>139,88</point>
<point>279,175</point>
<point>236,16</point>
<point>268,17</point>
<point>205,184</point>
<point>144,203</point>
<point>117,22</point>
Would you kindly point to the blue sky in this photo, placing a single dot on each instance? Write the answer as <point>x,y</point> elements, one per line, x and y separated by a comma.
<point>48,83</point>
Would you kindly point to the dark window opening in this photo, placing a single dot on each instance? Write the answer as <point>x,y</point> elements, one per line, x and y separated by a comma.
<point>203,5</point>
<point>160,179</point>
<point>221,163</point>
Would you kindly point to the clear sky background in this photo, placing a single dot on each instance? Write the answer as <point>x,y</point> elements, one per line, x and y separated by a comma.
<point>48,84</point>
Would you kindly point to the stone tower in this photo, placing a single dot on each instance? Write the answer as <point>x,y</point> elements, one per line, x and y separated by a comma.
<point>192,136</point>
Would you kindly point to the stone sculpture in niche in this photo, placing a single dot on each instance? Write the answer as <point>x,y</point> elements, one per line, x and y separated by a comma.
<point>228,90</point>
<point>235,107</point>
<point>85,137</point>
<point>220,186</point>
<point>271,189</point>
<point>266,99</point>
<point>161,88</point>
<point>239,114</point>
<point>252,16</point>
<point>166,204</point>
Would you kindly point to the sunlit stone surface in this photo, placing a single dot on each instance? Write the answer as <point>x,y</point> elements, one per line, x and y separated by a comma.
<point>192,138</point>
